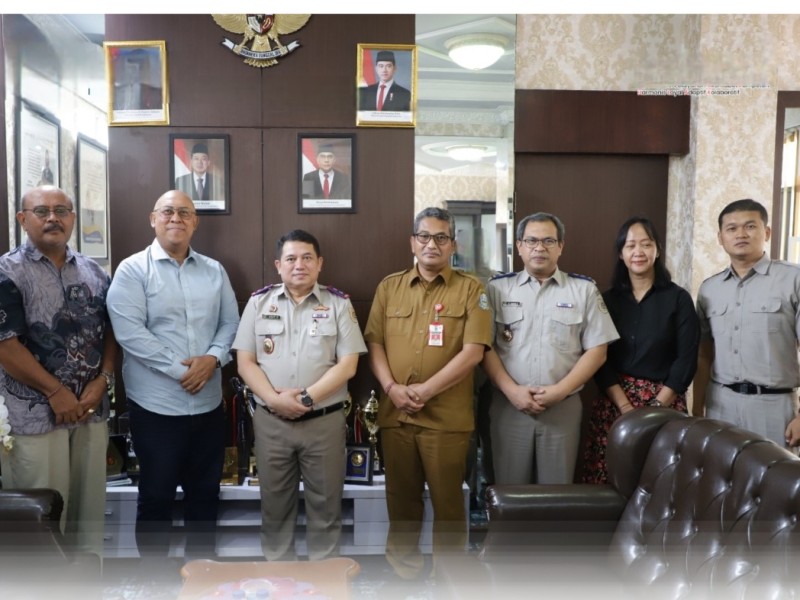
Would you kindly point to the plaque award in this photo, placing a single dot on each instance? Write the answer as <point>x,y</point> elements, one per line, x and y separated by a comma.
<point>358,456</point>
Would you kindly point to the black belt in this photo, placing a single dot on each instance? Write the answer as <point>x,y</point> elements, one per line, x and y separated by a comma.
<point>320,412</point>
<point>751,388</point>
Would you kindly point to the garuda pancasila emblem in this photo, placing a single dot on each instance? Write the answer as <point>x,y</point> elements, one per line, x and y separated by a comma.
<point>258,30</point>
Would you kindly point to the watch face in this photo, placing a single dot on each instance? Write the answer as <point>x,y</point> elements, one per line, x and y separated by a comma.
<point>306,399</point>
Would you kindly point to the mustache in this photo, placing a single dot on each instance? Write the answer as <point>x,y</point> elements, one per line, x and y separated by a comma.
<point>53,227</point>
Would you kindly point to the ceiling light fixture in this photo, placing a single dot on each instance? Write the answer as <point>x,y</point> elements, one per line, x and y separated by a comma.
<point>467,153</point>
<point>476,51</point>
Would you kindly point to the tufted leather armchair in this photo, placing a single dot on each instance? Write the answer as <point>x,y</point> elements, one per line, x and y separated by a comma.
<point>695,508</point>
<point>33,560</point>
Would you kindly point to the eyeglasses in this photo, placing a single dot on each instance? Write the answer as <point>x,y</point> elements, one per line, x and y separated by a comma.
<point>44,211</point>
<point>532,242</point>
<point>440,239</point>
<point>167,212</point>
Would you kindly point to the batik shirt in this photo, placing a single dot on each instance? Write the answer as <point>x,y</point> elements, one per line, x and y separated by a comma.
<point>60,317</point>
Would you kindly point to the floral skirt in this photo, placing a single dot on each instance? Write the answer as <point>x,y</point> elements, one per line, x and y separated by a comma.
<point>640,393</point>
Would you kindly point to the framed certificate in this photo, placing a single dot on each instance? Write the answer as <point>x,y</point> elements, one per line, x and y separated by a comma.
<point>92,175</point>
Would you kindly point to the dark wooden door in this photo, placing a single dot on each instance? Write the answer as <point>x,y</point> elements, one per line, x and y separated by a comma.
<point>593,194</point>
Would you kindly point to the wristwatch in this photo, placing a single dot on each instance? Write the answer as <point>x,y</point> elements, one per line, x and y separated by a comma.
<point>306,399</point>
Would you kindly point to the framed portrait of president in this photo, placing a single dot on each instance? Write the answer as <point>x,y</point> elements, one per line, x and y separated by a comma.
<point>326,173</point>
<point>387,85</point>
<point>199,166</point>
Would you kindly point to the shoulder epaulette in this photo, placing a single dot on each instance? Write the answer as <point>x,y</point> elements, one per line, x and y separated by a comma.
<point>502,276</point>
<point>396,274</point>
<point>579,276</point>
<point>263,290</point>
<point>336,292</point>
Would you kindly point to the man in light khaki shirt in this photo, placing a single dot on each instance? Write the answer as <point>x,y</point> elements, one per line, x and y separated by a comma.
<point>552,331</point>
<point>427,330</point>
<point>297,346</point>
<point>748,371</point>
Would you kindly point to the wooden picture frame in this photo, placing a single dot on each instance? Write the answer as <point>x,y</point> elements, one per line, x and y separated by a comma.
<point>395,106</point>
<point>203,156</point>
<point>91,160</point>
<point>326,158</point>
<point>136,74</point>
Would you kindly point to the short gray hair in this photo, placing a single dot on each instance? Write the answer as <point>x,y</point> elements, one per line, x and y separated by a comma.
<point>435,213</point>
<point>541,217</point>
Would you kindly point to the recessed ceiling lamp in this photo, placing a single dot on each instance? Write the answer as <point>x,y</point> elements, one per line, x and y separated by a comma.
<point>476,51</point>
<point>467,153</point>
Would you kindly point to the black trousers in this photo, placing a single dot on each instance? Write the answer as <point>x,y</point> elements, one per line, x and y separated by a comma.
<point>186,451</point>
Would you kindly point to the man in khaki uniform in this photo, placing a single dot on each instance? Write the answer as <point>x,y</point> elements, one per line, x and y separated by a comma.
<point>747,371</point>
<point>297,346</point>
<point>427,330</point>
<point>552,330</point>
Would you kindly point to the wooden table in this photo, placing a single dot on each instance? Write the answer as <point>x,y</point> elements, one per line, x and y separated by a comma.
<point>207,579</point>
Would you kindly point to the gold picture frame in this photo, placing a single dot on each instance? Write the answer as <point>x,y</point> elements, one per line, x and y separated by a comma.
<point>136,75</point>
<point>395,106</point>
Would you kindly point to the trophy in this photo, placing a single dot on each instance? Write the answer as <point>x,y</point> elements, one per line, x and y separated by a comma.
<point>369,417</point>
<point>348,407</point>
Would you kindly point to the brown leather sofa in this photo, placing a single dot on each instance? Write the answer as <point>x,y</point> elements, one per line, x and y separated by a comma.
<point>696,508</point>
<point>34,559</point>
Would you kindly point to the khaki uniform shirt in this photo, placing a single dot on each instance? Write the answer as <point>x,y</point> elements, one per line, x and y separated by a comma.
<point>399,320</point>
<point>550,324</point>
<point>295,345</point>
<point>754,323</point>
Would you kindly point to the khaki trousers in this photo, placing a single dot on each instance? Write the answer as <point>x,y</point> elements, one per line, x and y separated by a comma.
<point>414,455</point>
<point>72,461</point>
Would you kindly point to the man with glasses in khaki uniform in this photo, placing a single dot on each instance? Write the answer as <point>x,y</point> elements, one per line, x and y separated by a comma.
<point>427,330</point>
<point>551,333</point>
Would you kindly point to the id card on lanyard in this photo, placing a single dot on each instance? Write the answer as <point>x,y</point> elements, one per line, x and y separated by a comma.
<point>436,329</point>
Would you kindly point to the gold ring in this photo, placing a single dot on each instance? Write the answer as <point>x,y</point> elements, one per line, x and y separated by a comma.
<point>90,411</point>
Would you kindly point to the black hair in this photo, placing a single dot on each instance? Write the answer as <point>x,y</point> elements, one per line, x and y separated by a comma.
<point>296,235</point>
<point>621,279</point>
<point>745,205</point>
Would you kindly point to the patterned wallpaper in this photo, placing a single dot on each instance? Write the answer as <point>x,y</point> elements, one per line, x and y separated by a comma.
<point>469,183</point>
<point>732,137</point>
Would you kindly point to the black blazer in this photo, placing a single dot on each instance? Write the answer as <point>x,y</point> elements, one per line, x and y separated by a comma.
<point>397,98</point>
<point>340,187</point>
<point>185,183</point>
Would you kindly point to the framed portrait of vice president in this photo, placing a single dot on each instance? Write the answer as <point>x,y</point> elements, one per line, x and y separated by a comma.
<point>326,173</point>
<point>387,85</point>
<point>200,167</point>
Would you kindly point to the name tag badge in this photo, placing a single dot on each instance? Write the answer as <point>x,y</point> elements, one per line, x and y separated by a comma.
<point>564,305</point>
<point>435,334</point>
<point>320,315</point>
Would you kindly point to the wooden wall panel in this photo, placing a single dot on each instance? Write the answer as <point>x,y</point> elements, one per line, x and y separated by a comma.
<point>593,195</point>
<point>311,91</point>
<point>316,86</point>
<point>600,122</point>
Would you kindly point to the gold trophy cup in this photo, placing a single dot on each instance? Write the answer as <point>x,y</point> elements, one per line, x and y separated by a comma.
<point>369,417</point>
